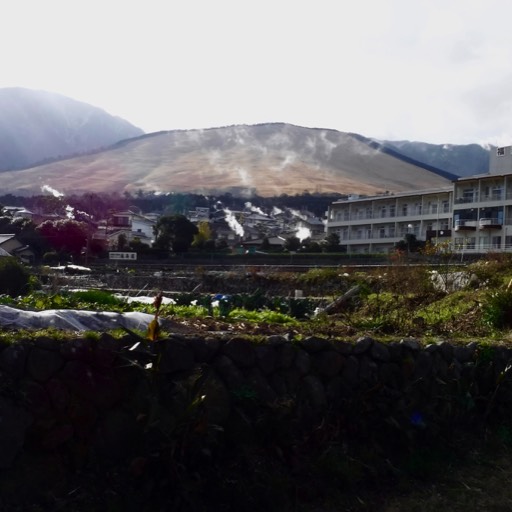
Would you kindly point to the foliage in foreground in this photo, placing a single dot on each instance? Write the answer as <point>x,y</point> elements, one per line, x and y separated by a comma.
<point>458,301</point>
<point>14,277</point>
<point>497,312</point>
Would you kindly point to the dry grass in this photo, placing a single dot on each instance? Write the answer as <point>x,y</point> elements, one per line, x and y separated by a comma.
<point>280,160</point>
<point>482,484</point>
<point>477,480</point>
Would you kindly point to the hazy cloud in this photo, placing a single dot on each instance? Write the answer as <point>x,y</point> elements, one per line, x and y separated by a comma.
<point>429,70</point>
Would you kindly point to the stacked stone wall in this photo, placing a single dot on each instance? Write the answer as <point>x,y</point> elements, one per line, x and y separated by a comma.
<point>67,404</point>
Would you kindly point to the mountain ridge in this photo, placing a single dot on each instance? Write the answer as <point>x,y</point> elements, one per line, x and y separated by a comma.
<point>40,125</point>
<point>265,159</point>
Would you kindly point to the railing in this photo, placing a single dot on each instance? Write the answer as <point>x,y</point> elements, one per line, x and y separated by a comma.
<point>490,222</point>
<point>379,215</point>
<point>495,196</point>
<point>465,224</point>
<point>481,248</point>
<point>467,199</point>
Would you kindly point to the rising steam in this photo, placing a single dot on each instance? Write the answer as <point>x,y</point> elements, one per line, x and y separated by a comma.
<point>254,209</point>
<point>303,233</point>
<point>55,193</point>
<point>233,223</point>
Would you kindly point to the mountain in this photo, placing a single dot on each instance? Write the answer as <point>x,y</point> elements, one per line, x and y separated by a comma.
<point>462,160</point>
<point>38,125</point>
<point>265,159</point>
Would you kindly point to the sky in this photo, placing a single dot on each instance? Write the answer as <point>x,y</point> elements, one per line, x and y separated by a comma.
<point>437,71</point>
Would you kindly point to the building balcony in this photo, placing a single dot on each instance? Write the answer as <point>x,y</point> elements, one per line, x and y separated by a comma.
<point>490,224</point>
<point>465,225</point>
<point>495,196</point>
<point>466,199</point>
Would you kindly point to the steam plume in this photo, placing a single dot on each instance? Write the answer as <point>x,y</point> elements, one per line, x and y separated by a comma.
<point>47,188</point>
<point>233,223</point>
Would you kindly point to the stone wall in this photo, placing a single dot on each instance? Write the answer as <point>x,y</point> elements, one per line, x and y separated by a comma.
<point>69,404</point>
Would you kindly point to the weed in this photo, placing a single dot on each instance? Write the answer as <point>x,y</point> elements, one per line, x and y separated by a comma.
<point>497,309</point>
<point>266,316</point>
<point>91,335</point>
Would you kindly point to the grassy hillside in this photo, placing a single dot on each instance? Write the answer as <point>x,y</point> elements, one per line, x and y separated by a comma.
<point>268,160</point>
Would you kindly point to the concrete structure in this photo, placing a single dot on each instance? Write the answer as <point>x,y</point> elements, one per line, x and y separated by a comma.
<point>474,214</point>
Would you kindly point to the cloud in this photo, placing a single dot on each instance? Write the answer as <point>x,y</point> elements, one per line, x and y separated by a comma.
<point>396,69</point>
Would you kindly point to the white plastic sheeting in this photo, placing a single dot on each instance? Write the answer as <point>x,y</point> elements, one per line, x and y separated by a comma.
<point>143,299</point>
<point>71,319</point>
<point>77,268</point>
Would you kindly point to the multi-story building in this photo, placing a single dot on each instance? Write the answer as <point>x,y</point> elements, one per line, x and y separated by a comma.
<point>376,224</point>
<point>474,214</point>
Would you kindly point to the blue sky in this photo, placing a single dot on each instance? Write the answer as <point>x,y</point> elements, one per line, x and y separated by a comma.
<point>432,71</point>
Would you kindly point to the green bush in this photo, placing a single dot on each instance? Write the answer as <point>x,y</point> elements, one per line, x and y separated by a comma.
<point>14,277</point>
<point>51,258</point>
<point>261,316</point>
<point>497,309</point>
<point>98,297</point>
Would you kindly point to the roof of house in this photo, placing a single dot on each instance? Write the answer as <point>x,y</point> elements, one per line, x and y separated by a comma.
<point>6,237</point>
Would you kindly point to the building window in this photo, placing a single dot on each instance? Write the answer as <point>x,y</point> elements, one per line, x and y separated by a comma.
<point>468,195</point>
<point>404,210</point>
<point>497,193</point>
<point>500,151</point>
<point>459,243</point>
<point>496,242</point>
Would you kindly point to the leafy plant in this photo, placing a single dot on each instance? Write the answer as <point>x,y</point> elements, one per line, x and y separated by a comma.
<point>497,309</point>
<point>266,316</point>
<point>14,277</point>
<point>99,297</point>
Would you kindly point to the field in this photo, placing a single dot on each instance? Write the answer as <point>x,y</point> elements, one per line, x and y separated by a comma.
<point>428,300</point>
<point>432,301</point>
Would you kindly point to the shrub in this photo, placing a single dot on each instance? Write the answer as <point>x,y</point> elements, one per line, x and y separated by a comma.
<point>14,277</point>
<point>51,258</point>
<point>261,316</point>
<point>97,297</point>
<point>497,309</point>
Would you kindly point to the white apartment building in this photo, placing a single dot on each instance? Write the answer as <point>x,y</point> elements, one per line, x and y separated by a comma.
<point>376,224</point>
<point>474,214</point>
